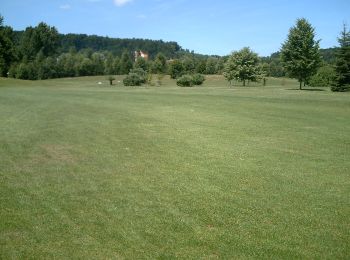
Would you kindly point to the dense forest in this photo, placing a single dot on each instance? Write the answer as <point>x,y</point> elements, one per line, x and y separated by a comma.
<point>41,52</point>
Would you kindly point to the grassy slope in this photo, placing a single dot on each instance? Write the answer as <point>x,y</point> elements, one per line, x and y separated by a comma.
<point>100,172</point>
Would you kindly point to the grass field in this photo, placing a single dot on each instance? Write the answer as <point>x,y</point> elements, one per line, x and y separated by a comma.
<point>92,171</point>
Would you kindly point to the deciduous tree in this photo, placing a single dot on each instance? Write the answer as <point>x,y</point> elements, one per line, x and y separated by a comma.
<point>242,66</point>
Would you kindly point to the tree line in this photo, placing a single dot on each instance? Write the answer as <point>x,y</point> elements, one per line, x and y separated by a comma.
<point>300,58</point>
<point>41,53</point>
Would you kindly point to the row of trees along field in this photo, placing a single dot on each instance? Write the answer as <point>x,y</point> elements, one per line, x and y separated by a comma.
<point>41,52</point>
<point>300,58</point>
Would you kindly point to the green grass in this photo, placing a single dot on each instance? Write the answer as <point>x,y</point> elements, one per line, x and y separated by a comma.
<point>92,171</point>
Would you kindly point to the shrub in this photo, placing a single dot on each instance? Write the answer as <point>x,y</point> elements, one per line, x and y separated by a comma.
<point>133,79</point>
<point>136,77</point>
<point>111,79</point>
<point>190,80</point>
<point>176,69</point>
<point>141,72</point>
<point>324,77</point>
<point>198,79</point>
<point>185,81</point>
<point>336,87</point>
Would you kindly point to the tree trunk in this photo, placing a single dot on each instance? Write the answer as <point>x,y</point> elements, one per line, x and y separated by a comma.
<point>300,82</point>
<point>244,83</point>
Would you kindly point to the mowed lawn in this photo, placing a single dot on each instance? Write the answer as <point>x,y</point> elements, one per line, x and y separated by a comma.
<point>92,171</point>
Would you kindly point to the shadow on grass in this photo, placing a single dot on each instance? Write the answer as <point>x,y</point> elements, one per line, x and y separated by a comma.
<point>307,89</point>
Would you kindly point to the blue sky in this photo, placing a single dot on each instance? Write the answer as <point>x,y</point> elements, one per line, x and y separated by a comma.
<point>207,26</point>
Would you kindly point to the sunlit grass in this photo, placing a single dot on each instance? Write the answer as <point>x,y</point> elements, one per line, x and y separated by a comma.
<point>93,171</point>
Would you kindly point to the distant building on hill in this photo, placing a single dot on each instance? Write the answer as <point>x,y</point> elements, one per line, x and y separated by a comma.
<point>140,54</point>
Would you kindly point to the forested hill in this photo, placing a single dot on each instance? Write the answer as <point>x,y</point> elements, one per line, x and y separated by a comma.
<point>115,45</point>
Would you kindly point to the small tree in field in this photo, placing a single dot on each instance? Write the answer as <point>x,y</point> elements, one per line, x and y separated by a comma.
<point>242,65</point>
<point>111,79</point>
<point>300,52</point>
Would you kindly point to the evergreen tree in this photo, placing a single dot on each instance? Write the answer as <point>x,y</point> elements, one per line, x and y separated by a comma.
<point>342,66</point>
<point>7,48</point>
<point>300,52</point>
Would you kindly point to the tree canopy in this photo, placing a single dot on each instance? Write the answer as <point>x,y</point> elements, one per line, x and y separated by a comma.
<point>300,52</point>
<point>242,66</point>
<point>7,48</point>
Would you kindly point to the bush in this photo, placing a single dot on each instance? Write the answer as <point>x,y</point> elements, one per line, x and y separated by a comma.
<point>136,77</point>
<point>198,79</point>
<point>185,81</point>
<point>111,79</point>
<point>336,87</point>
<point>133,79</point>
<point>190,80</point>
<point>176,69</point>
<point>324,77</point>
<point>26,71</point>
<point>141,72</point>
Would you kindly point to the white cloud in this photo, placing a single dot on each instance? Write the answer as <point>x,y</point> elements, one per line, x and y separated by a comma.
<point>121,2</point>
<point>65,7</point>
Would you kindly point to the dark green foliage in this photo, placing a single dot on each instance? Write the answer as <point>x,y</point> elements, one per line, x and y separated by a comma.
<point>7,48</point>
<point>190,80</point>
<point>242,66</point>
<point>133,79</point>
<point>125,63</point>
<point>141,72</point>
<point>329,55</point>
<point>188,65</point>
<point>40,38</point>
<point>108,64</point>
<point>212,65</point>
<point>159,65</point>
<point>98,60</point>
<point>185,81</point>
<point>324,77</point>
<point>85,67</point>
<point>342,65</point>
<point>46,69</point>
<point>116,66</point>
<point>176,69</point>
<point>111,79</point>
<point>117,46</point>
<point>141,63</point>
<point>300,52</point>
<point>25,71</point>
<point>198,79</point>
<point>66,65</point>
<point>136,77</point>
<point>201,67</point>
